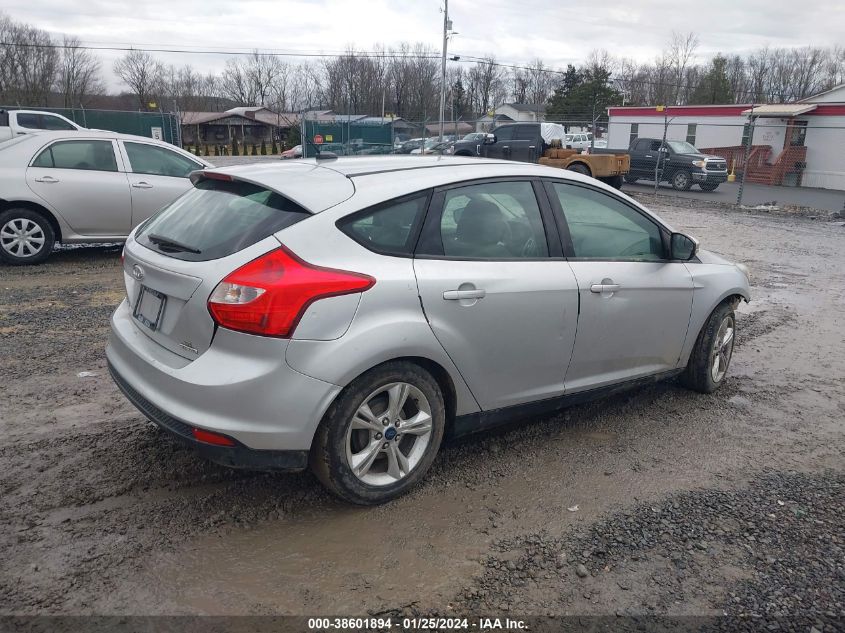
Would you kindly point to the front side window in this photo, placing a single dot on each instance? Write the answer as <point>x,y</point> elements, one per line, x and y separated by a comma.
<point>496,220</point>
<point>603,227</point>
<point>86,155</point>
<point>390,229</point>
<point>505,133</point>
<point>158,161</point>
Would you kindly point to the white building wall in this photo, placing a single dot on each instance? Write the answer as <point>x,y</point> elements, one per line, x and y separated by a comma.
<point>713,131</point>
<point>825,152</point>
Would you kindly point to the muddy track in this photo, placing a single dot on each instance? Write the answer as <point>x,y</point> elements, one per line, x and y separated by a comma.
<point>103,513</point>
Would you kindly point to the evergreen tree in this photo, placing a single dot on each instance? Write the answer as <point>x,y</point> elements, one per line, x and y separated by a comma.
<point>263,148</point>
<point>235,146</point>
<point>275,148</point>
<point>715,87</point>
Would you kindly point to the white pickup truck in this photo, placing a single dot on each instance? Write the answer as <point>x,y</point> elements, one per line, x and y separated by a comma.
<point>14,122</point>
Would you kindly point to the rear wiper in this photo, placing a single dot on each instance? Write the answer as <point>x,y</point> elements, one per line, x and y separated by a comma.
<point>173,245</point>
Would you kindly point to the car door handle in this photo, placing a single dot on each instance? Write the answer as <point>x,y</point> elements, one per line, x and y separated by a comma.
<point>599,288</point>
<point>457,295</point>
<point>142,185</point>
<point>47,179</point>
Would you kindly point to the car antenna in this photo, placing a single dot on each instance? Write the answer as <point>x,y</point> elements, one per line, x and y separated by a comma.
<point>320,155</point>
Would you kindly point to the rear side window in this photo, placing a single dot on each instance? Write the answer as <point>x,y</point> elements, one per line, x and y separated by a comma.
<point>390,229</point>
<point>55,123</point>
<point>88,155</point>
<point>158,161</point>
<point>31,121</point>
<point>217,218</point>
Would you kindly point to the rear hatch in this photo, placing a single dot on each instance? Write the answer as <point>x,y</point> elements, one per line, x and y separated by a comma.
<point>174,261</point>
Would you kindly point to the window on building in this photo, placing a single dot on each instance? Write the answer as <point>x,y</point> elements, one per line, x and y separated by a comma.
<point>635,131</point>
<point>746,134</point>
<point>691,128</point>
<point>798,134</point>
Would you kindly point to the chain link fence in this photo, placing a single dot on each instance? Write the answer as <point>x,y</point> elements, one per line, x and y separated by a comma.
<point>691,153</point>
<point>164,126</point>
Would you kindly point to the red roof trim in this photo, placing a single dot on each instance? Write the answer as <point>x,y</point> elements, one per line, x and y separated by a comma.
<point>829,110</point>
<point>721,110</point>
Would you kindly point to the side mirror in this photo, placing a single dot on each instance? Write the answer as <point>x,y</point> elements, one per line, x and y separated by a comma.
<point>489,139</point>
<point>682,247</point>
<point>665,150</point>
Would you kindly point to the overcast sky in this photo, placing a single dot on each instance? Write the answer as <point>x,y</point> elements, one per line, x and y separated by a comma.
<point>515,31</point>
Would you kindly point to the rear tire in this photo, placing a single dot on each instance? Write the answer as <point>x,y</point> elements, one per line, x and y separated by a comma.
<point>613,181</point>
<point>711,355</point>
<point>366,451</point>
<point>26,237</point>
<point>630,179</point>
<point>708,186</point>
<point>580,168</point>
<point>681,180</point>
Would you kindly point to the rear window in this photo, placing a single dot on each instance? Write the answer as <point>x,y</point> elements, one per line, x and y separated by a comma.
<point>217,218</point>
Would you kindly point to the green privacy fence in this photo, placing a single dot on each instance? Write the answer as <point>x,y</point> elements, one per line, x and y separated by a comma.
<point>372,135</point>
<point>163,125</point>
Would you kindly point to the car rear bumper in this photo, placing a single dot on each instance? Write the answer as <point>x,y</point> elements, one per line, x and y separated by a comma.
<point>241,387</point>
<point>238,456</point>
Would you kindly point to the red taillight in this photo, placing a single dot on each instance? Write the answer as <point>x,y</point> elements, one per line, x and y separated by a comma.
<point>270,294</point>
<point>209,437</point>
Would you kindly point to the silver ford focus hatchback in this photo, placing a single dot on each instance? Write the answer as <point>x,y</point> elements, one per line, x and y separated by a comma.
<point>347,314</point>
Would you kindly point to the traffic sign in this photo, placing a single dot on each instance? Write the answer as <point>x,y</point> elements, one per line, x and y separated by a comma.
<point>318,139</point>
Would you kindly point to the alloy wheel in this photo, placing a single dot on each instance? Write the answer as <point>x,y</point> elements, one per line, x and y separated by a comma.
<point>21,237</point>
<point>389,434</point>
<point>720,355</point>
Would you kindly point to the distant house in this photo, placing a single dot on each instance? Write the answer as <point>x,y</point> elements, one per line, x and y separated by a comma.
<point>509,113</point>
<point>250,125</point>
<point>796,144</point>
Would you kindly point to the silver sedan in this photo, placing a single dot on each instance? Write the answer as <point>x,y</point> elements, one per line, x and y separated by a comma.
<point>85,186</point>
<point>348,313</point>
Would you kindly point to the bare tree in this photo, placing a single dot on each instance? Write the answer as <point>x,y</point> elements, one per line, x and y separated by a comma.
<point>681,54</point>
<point>29,64</point>
<point>144,75</point>
<point>79,76</point>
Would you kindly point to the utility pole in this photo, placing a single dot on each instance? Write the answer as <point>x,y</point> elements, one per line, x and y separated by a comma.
<point>446,25</point>
<point>748,143</point>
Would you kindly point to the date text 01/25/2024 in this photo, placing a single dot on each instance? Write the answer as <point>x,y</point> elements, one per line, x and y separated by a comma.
<point>412,624</point>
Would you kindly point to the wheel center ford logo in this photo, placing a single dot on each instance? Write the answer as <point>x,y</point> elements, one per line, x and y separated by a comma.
<point>137,272</point>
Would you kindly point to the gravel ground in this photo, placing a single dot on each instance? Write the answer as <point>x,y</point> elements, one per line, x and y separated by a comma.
<point>664,496</point>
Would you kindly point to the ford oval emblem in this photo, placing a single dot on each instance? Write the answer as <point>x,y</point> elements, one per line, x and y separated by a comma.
<point>137,272</point>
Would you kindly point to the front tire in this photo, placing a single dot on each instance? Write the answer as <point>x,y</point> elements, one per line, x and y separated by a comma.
<point>381,435</point>
<point>711,355</point>
<point>630,179</point>
<point>681,180</point>
<point>26,237</point>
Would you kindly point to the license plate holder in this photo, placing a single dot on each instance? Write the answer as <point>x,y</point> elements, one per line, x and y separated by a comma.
<point>149,307</point>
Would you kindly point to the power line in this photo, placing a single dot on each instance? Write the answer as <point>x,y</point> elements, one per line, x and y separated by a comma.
<point>466,59</point>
